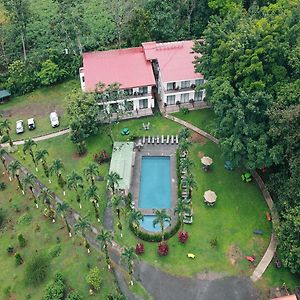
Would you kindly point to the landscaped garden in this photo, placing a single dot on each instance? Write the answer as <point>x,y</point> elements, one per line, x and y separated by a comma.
<point>38,105</point>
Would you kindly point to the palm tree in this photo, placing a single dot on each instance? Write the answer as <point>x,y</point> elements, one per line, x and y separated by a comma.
<point>83,225</point>
<point>92,196</point>
<point>181,209</point>
<point>75,182</point>
<point>136,217</point>
<point>14,168</point>
<point>184,145</point>
<point>128,256</point>
<point>5,125</point>
<point>161,217</point>
<point>90,172</point>
<point>105,239</point>
<point>28,181</point>
<point>45,197</point>
<point>185,164</point>
<point>28,147</point>
<point>189,183</point>
<point>184,134</point>
<point>62,208</point>
<point>113,180</point>
<point>56,168</point>
<point>40,156</point>
<point>118,202</point>
<point>2,157</point>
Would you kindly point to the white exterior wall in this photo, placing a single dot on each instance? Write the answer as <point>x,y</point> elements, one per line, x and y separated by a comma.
<point>82,83</point>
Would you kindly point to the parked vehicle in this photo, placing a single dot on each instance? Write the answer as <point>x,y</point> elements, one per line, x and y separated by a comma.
<point>54,119</point>
<point>31,123</point>
<point>20,126</point>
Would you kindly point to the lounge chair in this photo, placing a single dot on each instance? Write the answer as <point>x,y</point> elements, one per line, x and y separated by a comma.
<point>162,139</point>
<point>188,220</point>
<point>157,140</point>
<point>172,139</point>
<point>149,139</point>
<point>176,139</point>
<point>168,139</point>
<point>148,126</point>
<point>153,140</point>
<point>144,139</point>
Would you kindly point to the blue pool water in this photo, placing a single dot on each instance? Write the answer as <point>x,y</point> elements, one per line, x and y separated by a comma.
<point>155,182</point>
<point>147,224</point>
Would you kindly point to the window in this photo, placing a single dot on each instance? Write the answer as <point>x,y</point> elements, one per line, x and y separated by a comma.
<point>128,92</point>
<point>82,78</point>
<point>198,96</point>
<point>184,97</point>
<point>185,84</point>
<point>143,90</point>
<point>171,99</point>
<point>143,103</point>
<point>199,81</point>
<point>171,86</point>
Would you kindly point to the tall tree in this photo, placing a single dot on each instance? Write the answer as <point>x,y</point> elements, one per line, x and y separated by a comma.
<point>118,203</point>
<point>56,168</point>
<point>62,209</point>
<point>82,226</point>
<point>75,182</point>
<point>181,209</point>
<point>135,217</point>
<point>113,179</point>
<point>161,217</point>
<point>40,156</point>
<point>91,195</point>
<point>19,13</point>
<point>91,172</point>
<point>2,157</point>
<point>105,239</point>
<point>28,181</point>
<point>28,147</point>
<point>128,256</point>
<point>14,169</point>
<point>5,126</point>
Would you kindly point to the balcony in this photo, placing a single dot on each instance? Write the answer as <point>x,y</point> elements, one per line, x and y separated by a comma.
<point>179,89</point>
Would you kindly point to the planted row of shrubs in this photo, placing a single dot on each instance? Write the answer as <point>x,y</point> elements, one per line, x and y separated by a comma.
<point>157,237</point>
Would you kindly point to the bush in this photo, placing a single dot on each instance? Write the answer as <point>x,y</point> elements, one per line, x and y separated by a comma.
<point>4,139</point>
<point>22,241</point>
<point>56,289</point>
<point>163,249</point>
<point>54,251</point>
<point>214,243</point>
<point>183,236</point>
<point>2,186</point>
<point>37,269</point>
<point>155,237</point>
<point>101,157</point>
<point>139,249</point>
<point>25,219</point>
<point>74,296</point>
<point>19,259</point>
<point>10,249</point>
<point>2,217</point>
<point>184,111</point>
<point>94,278</point>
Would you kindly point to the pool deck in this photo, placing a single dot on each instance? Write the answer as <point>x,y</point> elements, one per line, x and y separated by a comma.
<point>155,150</point>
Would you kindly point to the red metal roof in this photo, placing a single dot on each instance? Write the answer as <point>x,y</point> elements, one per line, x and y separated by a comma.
<point>126,66</point>
<point>175,59</point>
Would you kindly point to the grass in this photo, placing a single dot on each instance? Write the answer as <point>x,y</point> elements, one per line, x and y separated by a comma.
<point>38,105</point>
<point>203,119</point>
<point>73,261</point>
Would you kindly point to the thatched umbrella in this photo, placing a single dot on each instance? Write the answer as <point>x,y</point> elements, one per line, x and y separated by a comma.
<point>207,161</point>
<point>210,197</point>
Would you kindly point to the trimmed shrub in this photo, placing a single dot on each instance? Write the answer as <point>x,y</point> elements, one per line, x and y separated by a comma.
<point>184,110</point>
<point>139,249</point>
<point>94,278</point>
<point>56,289</point>
<point>101,157</point>
<point>10,249</point>
<point>37,269</point>
<point>22,241</point>
<point>74,296</point>
<point>214,243</point>
<point>183,236</point>
<point>163,249</point>
<point>19,259</point>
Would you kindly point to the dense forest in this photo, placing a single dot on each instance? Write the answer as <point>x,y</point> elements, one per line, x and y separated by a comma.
<point>251,60</point>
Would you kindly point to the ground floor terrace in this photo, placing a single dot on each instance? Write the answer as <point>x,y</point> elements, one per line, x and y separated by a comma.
<point>239,210</point>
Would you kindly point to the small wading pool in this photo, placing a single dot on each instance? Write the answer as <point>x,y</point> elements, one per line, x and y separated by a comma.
<point>155,182</point>
<point>147,224</point>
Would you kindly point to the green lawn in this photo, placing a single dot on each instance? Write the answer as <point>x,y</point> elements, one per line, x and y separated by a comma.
<point>73,261</point>
<point>38,105</point>
<point>203,119</point>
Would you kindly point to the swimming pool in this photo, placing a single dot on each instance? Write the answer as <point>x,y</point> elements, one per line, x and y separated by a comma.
<point>155,182</point>
<point>147,224</point>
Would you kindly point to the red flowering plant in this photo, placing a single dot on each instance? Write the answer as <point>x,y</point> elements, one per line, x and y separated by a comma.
<point>139,249</point>
<point>183,236</point>
<point>163,249</point>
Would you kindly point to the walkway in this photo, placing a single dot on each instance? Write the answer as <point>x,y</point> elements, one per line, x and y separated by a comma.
<point>41,138</point>
<point>270,252</point>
